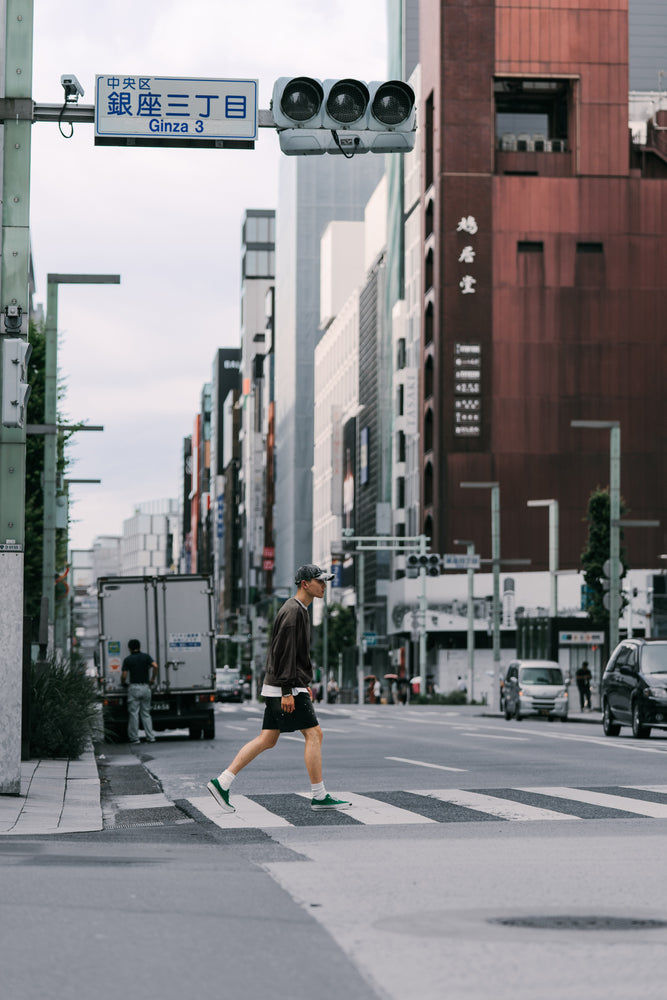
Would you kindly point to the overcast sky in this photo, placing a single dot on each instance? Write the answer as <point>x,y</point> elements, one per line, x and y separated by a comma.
<point>134,357</point>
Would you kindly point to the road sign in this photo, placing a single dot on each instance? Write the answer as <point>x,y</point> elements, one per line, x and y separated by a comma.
<point>454,560</point>
<point>606,568</point>
<point>370,638</point>
<point>174,111</point>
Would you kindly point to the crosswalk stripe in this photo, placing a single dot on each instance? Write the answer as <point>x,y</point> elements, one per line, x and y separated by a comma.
<point>368,810</point>
<point>502,808</point>
<point>373,812</point>
<point>248,813</point>
<point>641,807</point>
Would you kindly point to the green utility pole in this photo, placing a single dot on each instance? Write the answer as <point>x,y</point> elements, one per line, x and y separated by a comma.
<point>50,429</point>
<point>14,317</point>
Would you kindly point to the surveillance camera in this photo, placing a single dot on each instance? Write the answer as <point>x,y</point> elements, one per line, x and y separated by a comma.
<point>72,87</point>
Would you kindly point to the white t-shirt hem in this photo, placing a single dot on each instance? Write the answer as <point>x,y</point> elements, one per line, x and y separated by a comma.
<point>272,691</point>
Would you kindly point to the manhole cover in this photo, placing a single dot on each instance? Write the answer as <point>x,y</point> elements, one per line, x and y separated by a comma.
<point>570,923</point>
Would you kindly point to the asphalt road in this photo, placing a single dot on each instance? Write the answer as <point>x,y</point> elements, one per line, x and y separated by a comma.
<point>480,858</point>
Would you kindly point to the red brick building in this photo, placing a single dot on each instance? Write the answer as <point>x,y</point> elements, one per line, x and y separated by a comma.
<point>545,264</point>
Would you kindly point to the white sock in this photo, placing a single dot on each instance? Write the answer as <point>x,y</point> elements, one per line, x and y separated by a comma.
<point>319,791</point>
<point>225,779</point>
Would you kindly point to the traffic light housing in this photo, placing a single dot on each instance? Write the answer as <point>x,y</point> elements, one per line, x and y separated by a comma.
<point>15,389</point>
<point>343,116</point>
<point>429,563</point>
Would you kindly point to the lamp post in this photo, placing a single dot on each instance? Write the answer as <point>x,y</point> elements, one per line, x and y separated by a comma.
<point>61,623</point>
<point>614,427</point>
<point>495,559</point>
<point>553,551</point>
<point>470,550</point>
<point>50,429</point>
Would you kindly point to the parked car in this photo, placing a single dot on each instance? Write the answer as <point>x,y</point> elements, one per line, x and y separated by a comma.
<point>535,687</point>
<point>228,684</point>
<point>634,687</point>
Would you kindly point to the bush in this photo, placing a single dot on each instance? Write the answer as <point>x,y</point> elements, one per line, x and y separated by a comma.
<point>453,698</point>
<point>63,710</point>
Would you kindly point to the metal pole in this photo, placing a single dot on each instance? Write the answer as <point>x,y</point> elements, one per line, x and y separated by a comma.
<point>614,534</point>
<point>50,456</point>
<point>471,624</point>
<point>422,618</point>
<point>553,555</point>
<point>14,318</point>
<point>360,625</point>
<point>495,555</point>
<point>325,645</point>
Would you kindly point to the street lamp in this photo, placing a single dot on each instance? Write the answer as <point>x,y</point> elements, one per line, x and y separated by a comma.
<point>553,550</point>
<point>614,427</point>
<point>50,429</point>
<point>470,549</point>
<point>495,559</point>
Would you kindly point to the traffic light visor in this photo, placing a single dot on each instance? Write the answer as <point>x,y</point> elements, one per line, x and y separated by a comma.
<point>393,104</point>
<point>301,99</point>
<point>347,101</point>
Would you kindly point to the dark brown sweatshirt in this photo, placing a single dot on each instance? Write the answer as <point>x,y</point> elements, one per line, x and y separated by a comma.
<point>288,658</point>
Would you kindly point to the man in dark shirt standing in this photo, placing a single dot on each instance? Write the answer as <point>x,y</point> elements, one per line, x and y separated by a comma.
<point>288,694</point>
<point>141,671</point>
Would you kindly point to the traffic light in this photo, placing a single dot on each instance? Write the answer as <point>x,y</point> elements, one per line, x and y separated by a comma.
<point>429,563</point>
<point>343,116</point>
<point>15,389</point>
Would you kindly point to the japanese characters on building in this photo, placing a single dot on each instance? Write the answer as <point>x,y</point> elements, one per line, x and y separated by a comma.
<point>467,356</point>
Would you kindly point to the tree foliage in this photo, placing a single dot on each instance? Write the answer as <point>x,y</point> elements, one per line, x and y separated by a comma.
<point>596,554</point>
<point>341,634</point>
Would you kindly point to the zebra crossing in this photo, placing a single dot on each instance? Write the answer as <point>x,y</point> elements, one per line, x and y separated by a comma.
<point>441,805</point>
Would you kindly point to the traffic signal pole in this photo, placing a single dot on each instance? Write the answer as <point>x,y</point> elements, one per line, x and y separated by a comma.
<point>14,318</point>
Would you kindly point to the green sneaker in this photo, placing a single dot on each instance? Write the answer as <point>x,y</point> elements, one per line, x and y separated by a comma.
<point>329,803</point>
<point>221,795</point>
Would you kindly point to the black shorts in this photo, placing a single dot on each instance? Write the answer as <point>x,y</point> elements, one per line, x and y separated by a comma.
<point>303,716</point>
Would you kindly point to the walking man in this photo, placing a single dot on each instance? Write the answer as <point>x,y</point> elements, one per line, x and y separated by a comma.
<point>140,671</point>
<point>287,693</point>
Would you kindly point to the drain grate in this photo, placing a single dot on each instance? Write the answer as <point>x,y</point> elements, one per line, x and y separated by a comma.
<point>585,923</point>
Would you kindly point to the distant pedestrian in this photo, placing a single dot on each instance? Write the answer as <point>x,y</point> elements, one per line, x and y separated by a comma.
<point>377,691</point>
<point>461,685</point>
<point>332,691</point>
<point>140,673</point>
<point>583,679</point>
<point>287,691</point>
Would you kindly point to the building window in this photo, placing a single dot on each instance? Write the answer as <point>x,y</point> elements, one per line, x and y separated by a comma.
<point>428,430</point>
<point>400,446</point>
<point>400,399</point>
<point>532,115</point>
<point>400,492</point>
<point>428,218</point>
<point>400,353</point>
<point>530,246</point>
<point>583,247</point>
<point>428,324</point>
<point>428,377</point>
<point>428,126</point>
<point>428,270</point>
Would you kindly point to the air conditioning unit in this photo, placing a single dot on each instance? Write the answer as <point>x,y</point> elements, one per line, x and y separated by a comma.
<point>558,145</point>
<point>541,143</point>
<point>524,143</point>
<point>508,142</point>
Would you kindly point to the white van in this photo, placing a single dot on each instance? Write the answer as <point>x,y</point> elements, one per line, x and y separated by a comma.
<point>535,687</point>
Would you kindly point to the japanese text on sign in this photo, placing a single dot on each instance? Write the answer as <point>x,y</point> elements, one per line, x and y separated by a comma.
<point>158,106</point>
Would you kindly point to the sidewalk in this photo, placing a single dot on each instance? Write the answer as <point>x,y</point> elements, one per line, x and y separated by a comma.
<point>57,796</point>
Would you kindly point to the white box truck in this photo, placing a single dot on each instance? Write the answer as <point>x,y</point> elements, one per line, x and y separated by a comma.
<point>172,617</point>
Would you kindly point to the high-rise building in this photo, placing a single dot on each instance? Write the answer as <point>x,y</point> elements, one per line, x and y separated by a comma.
<point>313,191</point>
<point>544,245</point>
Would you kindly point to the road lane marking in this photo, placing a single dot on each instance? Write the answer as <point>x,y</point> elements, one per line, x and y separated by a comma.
<point>603,741</point>
<point>241,729</point>
<point>374,812</point>
<point>490,736</point>
<point>423,763</point>
<point>502,808</point>
<point>641,807</point>
<point>248,813</point>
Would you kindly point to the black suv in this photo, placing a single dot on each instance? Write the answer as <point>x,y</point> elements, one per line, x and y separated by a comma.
<point>634,687</point>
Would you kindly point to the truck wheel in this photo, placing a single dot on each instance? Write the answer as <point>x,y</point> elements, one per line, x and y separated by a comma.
<point>195,732</point>
<point>209,732</point>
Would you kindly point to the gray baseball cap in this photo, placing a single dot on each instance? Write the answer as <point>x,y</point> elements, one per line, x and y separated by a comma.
<point>311,572</point>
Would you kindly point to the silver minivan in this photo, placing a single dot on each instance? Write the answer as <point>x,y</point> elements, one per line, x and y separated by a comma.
<point>535,687</point>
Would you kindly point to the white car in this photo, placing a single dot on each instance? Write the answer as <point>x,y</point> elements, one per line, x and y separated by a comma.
<point>535,687</point>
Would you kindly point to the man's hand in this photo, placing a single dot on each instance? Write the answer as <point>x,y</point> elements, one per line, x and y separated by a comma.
<point>287,703</point>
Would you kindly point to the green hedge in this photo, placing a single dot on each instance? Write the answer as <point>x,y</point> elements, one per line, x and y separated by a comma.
<point>64,713</point>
